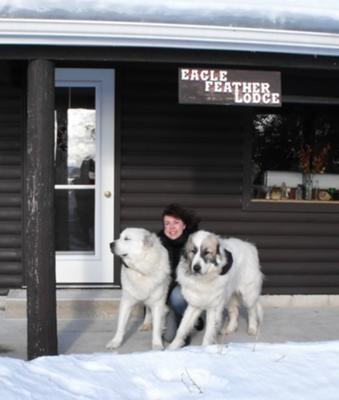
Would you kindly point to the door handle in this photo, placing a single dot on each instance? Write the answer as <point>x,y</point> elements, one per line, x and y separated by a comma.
<point>107,194</point>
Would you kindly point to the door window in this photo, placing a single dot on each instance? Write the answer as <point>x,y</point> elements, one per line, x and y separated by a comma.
<point>75,155</point>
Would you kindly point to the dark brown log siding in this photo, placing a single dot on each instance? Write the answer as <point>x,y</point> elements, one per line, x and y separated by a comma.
<point>194,155</point>
<point>11,192</point>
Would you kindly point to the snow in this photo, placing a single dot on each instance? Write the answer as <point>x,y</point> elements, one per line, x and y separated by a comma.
<point>234,371</point>
<point>281,14</point>
<point>301,26</point>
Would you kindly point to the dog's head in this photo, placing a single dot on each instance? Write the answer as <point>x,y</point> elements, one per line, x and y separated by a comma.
<point>132,244</point>
<point>204,254</point>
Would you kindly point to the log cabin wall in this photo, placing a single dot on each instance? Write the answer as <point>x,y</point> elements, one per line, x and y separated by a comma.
<point>194,155</point>
<point>189,154</point>
<point>11,186</point>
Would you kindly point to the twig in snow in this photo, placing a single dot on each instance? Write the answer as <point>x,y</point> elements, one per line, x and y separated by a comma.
<point>193,385</point>
<point>256,338</point>
<point>280,358</point>
<point>222,342</point>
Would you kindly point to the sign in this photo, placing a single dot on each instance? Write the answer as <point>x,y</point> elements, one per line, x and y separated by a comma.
<point>229,86</point>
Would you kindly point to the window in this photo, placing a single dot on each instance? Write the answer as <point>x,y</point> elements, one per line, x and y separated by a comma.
<point>75,153</point>
<point>294,154</point>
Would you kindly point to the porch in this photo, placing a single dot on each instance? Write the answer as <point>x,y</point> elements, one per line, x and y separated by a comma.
<point>87,321</point>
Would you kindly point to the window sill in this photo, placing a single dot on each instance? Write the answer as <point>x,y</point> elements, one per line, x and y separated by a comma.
<point>295,201</point>
<point>296,206</point>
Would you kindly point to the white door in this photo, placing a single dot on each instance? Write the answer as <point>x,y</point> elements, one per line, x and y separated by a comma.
<point>84,175</point>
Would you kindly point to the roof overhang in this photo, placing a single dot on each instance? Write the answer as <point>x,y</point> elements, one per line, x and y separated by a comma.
<point>162,35</point>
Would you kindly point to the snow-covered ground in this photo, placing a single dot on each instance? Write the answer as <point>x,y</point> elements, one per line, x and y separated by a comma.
<point>260,371</point>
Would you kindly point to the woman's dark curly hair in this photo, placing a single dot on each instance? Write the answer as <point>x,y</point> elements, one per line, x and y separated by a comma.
<point>189,218</point>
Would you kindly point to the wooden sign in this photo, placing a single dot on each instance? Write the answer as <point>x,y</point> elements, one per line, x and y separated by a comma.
<point>229,86</point>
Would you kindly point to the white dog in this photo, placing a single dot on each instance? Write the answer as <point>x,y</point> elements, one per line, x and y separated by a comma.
<point>145,278</point>
<point>215,273</point>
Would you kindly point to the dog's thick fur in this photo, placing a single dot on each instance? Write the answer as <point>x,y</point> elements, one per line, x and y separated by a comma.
<point>145,278</point>
<point>216,273</point>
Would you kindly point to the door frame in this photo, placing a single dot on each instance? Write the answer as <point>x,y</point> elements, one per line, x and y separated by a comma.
<point>94,269</point>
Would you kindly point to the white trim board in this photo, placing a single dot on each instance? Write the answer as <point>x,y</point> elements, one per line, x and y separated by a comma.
<point>161,35</point>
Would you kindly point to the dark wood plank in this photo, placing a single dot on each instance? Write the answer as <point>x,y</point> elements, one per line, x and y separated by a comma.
<point>39,213</point>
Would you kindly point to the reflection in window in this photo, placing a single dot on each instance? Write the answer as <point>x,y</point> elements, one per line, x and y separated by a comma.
<point>75,136</point>
<point>295,153</point>
<point>74,219</point>
<point>75,151</point>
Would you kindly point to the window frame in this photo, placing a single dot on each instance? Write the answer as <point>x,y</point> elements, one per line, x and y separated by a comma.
<point>250,204</point>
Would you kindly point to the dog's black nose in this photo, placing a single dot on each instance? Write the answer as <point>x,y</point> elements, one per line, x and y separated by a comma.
<point>111,245</point>
<point>196,268</point>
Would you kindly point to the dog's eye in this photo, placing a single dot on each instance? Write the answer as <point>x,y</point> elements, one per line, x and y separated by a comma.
<point>208,255</point>
<point>126,238</point>
<point>194,250</point>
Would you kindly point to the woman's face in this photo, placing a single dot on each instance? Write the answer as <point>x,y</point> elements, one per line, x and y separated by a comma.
<point>173,227</point>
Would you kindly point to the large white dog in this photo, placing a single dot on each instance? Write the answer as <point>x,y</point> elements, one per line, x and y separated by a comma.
<point>215,273</point>
<point>145,278</point>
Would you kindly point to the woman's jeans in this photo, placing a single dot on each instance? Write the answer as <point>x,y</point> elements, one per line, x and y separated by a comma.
<point>177,302</point>
<point>177,305</point>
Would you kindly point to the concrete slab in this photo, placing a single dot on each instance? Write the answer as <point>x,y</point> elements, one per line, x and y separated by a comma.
<point>281,324</point>
<point>71,303</point>
<point>103,303</point>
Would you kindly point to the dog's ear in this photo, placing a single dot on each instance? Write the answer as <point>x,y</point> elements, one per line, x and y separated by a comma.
<point>218,255</point>
<point>184,253</point>
<point>150,239</point>
<point>185,250</point>
<point>228,264</point>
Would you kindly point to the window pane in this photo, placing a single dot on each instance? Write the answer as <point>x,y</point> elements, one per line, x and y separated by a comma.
<point>75,136</point>
<point>295,153</point>
<point>74,219</point>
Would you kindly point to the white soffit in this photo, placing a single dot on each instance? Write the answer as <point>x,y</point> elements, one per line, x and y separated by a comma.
<point>163,35</point>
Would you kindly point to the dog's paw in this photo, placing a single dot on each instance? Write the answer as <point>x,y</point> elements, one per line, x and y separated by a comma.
<point>230,328</point>
<point>145,327</point>
<point>252,330</point>
<point>113,344</point>
<point>175,345</point>
<point>157,347</point>
<point>226,331</point>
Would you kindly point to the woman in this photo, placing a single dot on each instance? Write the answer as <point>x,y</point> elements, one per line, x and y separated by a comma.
<point>178,224</point>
